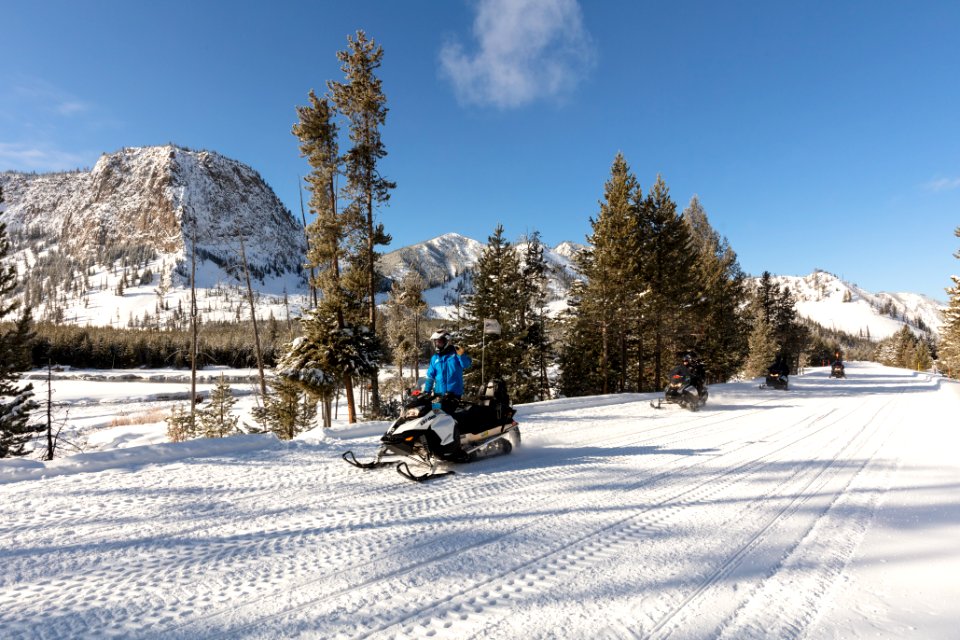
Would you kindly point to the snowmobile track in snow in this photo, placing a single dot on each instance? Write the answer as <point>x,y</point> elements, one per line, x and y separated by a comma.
<point>755,491</point>
<point>619,530</point>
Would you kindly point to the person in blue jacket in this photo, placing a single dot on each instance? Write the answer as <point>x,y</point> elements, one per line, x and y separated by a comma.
<point>445,373</point>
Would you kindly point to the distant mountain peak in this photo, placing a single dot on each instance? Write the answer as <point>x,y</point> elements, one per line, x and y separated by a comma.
<point>834,303</point>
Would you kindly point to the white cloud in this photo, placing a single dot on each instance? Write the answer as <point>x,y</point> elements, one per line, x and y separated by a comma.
<point>40,96</point>
<point>23,157</point>
<point>70,107</point>
<point>943,184</point>
<point>527,50</point>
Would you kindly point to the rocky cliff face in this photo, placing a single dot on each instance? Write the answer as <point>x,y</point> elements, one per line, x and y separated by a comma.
<point>149,197</point>
<point>114,245</point>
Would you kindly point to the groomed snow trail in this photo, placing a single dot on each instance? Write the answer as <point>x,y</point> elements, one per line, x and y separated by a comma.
<point>613,520</point>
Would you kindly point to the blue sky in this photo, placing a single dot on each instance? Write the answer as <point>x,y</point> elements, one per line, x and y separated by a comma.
<point>816,135</point>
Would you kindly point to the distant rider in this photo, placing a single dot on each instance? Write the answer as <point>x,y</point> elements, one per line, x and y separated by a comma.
<point>445,373</point>
<point>696,370</point>
<point>780,365</point>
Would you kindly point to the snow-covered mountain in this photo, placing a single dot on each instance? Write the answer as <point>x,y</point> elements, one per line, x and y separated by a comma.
<point>111,246</point>
<point>839,305</point>
<point>445,263</point>
<point>438,260</point>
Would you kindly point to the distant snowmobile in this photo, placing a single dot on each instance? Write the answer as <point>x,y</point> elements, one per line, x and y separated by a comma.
<point>683,390</point>
<point>836,370</point>
<point>776,379</point>
<point>433,430</point>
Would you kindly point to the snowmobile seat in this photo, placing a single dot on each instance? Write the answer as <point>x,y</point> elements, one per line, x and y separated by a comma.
<point>492,409</point>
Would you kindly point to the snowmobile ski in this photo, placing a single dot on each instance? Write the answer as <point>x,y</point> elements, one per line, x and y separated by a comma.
<point>404,469</point>
<point>352,459</point>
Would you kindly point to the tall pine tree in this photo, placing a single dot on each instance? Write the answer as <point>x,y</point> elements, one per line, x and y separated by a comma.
<point>405,317</point>
<point>949,352</point>
<point>497,296</point>
<point>328,236</point>
<point>722,340</point>
<point>669,276</point>
<point>597,336</point>
<point>361,99</point>
<point>536,348</point>
<point>16,402</point>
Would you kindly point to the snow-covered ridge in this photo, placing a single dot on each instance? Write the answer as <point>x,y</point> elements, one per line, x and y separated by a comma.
<point>127,224</point>
<point>836,304</point>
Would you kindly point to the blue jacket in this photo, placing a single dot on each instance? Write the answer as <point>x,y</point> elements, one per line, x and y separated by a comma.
<point>445,373</point>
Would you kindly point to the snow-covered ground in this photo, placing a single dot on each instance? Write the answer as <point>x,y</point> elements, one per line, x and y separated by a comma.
<point>826,511</point>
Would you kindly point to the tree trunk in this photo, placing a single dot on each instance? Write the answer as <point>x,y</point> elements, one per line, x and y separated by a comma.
<point>372,286</point>
<point>193,326</point>
<point>253,315</point>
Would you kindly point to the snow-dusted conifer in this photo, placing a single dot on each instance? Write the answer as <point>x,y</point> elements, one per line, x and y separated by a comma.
<point>215,419</point>
<point>328,241</point>
<point>181,425</point>
<point>286,410</point>
<point>16,402</point>
<point>949,354</point>
<point>611,299</point>
<point>722,343</point>
<point>405,314</point>
<point>361,99</point>
<point>496,295</point>
<point>536,350</point>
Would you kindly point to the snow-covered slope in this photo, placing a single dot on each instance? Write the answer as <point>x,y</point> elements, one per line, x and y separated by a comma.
<point>445,263</point>
<point>836,304</point>
<point>438,260</point>
<point>826,511</point>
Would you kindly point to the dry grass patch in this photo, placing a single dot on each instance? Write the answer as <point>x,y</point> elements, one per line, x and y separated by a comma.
<point>154,415</point>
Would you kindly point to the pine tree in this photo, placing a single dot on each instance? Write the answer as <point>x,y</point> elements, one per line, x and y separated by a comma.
<point>329,233</point>
<point>790,334</point>
<point>16,402</point>
<point>325,352</point>
<point>722,342</point>
<point>607,306</point>
<point>362,101</point>
<point>536,348</point>
<point>765,298</point>
<point>668,272</point>
<point>405,315</point>
<point>763,348</point>
<point>181,425</point>
<point>286,411</point>
<point>777,308</point>
<point>496,295</point>
<point>215,420</point>
<point>949,352</point>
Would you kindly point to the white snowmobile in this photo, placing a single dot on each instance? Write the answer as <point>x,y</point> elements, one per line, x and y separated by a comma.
<point>433,430</point>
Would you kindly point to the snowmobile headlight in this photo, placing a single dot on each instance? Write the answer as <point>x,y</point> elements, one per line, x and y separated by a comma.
<point>412,412</point>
